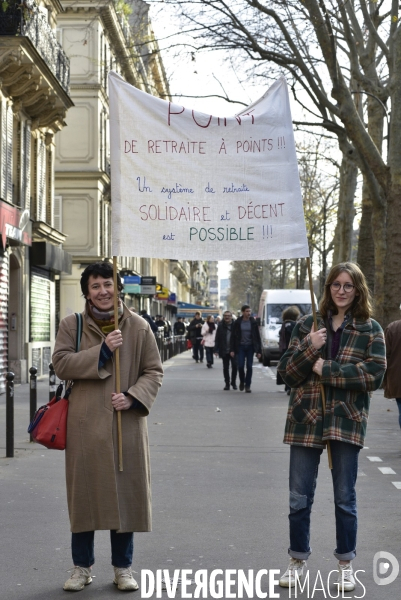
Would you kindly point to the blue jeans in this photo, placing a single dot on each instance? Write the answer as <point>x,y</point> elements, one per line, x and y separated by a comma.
<point>209,354</point>
<point>83,554</point>
<point>245,353</point>
<point>304,465</point>
<point>398,400</point>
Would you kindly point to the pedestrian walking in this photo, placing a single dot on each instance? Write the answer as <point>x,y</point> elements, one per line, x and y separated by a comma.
<point>245,342</point>
<point>179,327</point>
<point>195,335</point>
<point>149,319</point>
<point>222,349</point>
<point>392,380</point>
<point>98,495</point>
<point>209,335</point>
<point>347,355</point>
<point>290,316</point>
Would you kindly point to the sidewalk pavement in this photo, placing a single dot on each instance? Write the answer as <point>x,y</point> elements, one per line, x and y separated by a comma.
<point>219,485</point>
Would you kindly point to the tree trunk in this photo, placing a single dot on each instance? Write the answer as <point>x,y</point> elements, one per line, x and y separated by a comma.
<point>346,212</point>
<point>303,273</point>
<point>366,251</point>
<point>372,245</point>
<point>283,272</point>
<point>392,266</point>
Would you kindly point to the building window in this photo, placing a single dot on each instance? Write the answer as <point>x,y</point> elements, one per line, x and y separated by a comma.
<point>40,308</point>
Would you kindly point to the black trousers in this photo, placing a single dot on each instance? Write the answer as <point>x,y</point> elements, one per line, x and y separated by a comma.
<point>198,348</point>
<point>227,359</point>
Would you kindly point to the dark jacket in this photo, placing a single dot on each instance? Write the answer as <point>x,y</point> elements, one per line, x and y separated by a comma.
<point>357,370</point>
<point>162,323</point>
<point>193,330</point>
<point>236,336</point>
<point>221,347</point>
<point>179,328</point>
<point>151,322</point>
<point>285,335</point>
<point>392,379</point>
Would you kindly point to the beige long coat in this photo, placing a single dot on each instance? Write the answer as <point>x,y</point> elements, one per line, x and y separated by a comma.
<point>99,495</point>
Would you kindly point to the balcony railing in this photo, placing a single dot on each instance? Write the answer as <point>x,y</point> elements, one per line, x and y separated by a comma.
<point>31,23</point>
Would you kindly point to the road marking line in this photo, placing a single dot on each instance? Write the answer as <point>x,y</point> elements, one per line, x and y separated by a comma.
<point>387,470</point>
<point>374,459</point>
<point>397,484</point>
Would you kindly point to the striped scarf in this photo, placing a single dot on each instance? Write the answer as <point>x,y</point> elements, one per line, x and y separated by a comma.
<point>104,319</point>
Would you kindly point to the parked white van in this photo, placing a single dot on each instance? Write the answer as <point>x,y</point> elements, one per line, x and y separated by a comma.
<point>271,306</point>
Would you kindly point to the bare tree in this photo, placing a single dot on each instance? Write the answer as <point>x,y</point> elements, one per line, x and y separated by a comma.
<point>329,51</point>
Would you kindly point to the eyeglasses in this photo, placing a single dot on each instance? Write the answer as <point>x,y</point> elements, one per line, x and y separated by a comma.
<point>347,287</point>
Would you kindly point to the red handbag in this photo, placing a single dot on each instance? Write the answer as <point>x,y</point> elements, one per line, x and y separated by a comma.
<point>49,424</point>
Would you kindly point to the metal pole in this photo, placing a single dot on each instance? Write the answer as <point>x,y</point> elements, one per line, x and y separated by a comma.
<point>117,369</point>
<point>32,394</point>
<point>10,415</point>
<point>322,392</point>
<point>52,382</point>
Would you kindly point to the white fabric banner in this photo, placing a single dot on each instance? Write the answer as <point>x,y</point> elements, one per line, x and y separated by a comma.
<point>188,185</point>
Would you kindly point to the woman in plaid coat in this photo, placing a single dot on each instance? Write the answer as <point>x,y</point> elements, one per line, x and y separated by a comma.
<point>347,355</point>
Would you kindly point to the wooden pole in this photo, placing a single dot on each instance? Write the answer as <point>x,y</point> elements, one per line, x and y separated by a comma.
<point>117,368</point>
<point>315,324</point>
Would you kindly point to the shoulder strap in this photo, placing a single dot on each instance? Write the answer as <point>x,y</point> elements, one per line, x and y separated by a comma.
<point>78,317</point>
<point>69,384</point>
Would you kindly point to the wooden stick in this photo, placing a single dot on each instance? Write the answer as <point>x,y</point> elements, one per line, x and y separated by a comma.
<point>117,371</point>
<point>321,385</point>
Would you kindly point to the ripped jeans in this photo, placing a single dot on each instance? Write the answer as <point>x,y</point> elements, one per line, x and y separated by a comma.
<point>304,465</point>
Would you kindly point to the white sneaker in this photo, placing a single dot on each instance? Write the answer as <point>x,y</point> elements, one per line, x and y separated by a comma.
<point>80,577</point>
<point>295,570</point>
<point>346,579</point>
<point>124,580</point>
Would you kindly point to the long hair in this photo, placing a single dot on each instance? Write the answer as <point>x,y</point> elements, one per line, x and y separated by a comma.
<point>362,306</point>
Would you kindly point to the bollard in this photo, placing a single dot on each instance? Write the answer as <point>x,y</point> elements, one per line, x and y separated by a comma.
<point>52,382</point>
<point>10,415</point>
<point>32,394</point>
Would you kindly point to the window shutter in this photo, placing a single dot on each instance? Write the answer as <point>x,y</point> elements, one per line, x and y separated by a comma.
<point>106,226</point>
<point>3,150</point>
<point>27,165</point>
<point>22,180</point>
<point>49,187</point>
<point>58,213</point>
<point>40,179</point>
<point>9,154</point>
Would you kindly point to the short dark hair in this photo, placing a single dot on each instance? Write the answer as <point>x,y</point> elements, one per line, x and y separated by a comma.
<point>245,307</point>
<point>98,269</point>
<point>143,312</point>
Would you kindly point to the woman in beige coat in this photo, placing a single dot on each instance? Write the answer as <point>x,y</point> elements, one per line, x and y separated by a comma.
<point>99,495</point>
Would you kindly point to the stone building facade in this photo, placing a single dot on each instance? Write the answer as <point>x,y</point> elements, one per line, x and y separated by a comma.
<point>100,37</point>
<point>34,100</point>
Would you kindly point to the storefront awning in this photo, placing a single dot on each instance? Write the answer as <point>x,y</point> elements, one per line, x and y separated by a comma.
<point>186,310</point>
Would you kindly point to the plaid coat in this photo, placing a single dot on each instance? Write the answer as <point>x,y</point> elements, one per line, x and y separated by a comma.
<point>358,369</point>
